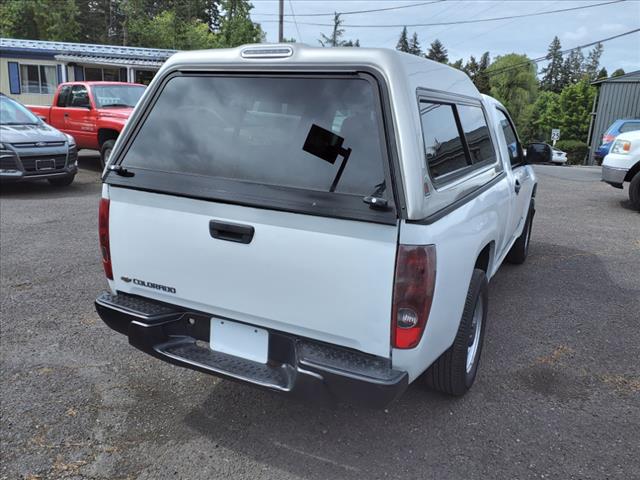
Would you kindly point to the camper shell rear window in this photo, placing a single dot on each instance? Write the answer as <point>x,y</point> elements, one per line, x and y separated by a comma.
<point>270,141</point>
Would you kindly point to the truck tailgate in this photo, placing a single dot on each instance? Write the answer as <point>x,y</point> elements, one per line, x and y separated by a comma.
<point>323,278</point>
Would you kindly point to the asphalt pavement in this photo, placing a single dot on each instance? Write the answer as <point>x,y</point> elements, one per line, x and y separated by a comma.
<point>557,395</point>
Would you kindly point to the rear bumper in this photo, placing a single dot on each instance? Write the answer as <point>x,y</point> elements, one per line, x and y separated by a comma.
<point>614,176</point>
<point>303,368</point>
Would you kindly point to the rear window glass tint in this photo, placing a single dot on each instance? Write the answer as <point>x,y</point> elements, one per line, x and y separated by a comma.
<point>477,134</point>
<point>252,129</point>
<point>444,150</point>
<point>630,127</point>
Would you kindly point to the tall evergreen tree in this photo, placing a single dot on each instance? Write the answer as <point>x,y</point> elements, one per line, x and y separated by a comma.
<point>482,79</point>
<point>592,64</point>
<point>471,67</point>
<point>437,52</point>
<point>458,64</point>
<point>414,45</point>
<point>335,40</point>
<point>552,74</point>
<point>403,41</point>
<point>573,68</point>
<point>602,74</point>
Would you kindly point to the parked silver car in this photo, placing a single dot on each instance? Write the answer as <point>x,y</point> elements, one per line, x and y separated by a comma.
<point>32,150</point>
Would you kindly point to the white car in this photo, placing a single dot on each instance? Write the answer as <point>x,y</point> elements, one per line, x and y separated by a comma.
<point>622,164</point>
<point>558,156</point>
<point>321,222</point>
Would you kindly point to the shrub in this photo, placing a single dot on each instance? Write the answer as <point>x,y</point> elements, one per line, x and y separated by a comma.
<point>576,150</point>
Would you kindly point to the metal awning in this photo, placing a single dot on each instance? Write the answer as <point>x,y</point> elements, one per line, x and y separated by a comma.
<point>110,61</point>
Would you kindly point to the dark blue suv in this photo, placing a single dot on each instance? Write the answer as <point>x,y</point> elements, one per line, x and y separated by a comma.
<point>616,128</point>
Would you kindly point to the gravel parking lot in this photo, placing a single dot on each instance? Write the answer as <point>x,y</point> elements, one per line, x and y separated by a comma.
<point>557,396</point>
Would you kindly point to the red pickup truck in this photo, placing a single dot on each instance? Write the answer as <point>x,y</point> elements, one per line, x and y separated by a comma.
<point>94,113</point>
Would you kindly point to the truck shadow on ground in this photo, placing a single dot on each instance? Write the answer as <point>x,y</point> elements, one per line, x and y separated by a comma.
<point>542,316</point>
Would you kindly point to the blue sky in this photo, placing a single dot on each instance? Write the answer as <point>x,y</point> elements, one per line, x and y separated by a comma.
<point>530,35</point>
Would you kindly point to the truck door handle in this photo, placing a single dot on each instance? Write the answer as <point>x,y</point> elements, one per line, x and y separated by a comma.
<point>232,232</point>
<point>517,187</point>
<point>66,115</point>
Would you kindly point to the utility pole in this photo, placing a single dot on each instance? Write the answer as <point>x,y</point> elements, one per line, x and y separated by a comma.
<point>281,22</point>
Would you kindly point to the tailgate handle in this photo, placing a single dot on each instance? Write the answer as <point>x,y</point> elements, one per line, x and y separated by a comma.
<point>231,232</point>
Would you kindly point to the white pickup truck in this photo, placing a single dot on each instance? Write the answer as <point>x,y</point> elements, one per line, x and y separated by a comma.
<point>622,164</point>
<point>316,221</point>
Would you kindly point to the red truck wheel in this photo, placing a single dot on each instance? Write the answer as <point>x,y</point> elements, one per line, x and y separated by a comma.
<point>105,152</point>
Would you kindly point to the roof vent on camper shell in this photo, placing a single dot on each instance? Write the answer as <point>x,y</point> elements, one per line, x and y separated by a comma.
<point>267,52</point>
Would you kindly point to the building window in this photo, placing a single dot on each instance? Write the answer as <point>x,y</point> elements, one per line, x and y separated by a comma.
<point>144,76</point>
<point>38,78</point>
<point>98,74</point>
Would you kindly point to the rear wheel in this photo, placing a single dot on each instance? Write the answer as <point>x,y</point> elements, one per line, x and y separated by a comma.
<point>105,152</point>
<point>455,371</point>
<point>520,248</point>
<point>634,191</point>
<point>62,181</point>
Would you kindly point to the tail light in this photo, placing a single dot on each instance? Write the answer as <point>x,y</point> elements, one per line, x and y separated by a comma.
<point>412,293</point>
<point>606,138</point>
<point>103,234</point>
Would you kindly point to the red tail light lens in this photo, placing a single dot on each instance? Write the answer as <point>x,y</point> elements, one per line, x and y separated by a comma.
<point>412,293</point>
<point>103,234</point>
<point>608,138</point>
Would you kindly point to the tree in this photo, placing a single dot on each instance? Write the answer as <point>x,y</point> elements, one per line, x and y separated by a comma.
<point>40,19</point>
<point>513,81</point>
<point>573,68</point>
<point>335,40</point>
<point>602,74</point>
<point>482,80</point>
<point>165,30</point>
<point>236,26</point>
<point>592,63</point>
<point>437,52</point>
<point>552,74</point>
<point>457,64</point>
<point>471,67</point>
<point>477,72</point>
<point>617,73</point>
<point>543,116</point>
<point>403,41</point>
<point>414,45</point>
<point>575,103</point>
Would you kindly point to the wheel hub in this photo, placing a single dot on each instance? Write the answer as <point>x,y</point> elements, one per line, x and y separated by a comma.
<point>474,334</point>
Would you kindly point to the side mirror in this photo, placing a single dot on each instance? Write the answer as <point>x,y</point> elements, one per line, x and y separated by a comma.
<point>538,153</point>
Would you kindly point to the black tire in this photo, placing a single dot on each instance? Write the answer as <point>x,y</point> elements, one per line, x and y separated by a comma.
<point>449,374</point>
<point>634,191</point>
<point>105,151</point>
<point>520,248</point>
<point>62,181</point>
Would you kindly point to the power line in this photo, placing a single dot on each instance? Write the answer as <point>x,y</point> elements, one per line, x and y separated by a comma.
<point>353,12</point>
<point>542,59</point>
<point>457,22</point>
<point>294,20</point>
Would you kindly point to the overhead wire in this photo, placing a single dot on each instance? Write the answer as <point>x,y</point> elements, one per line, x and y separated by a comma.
<point>353,12</point>
<point>458,22</point>
<point>293,13</point>
<point>542,59</point>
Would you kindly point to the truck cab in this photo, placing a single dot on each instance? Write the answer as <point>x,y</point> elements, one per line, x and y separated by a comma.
<point>318,222</point>
<point>94,113</point>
